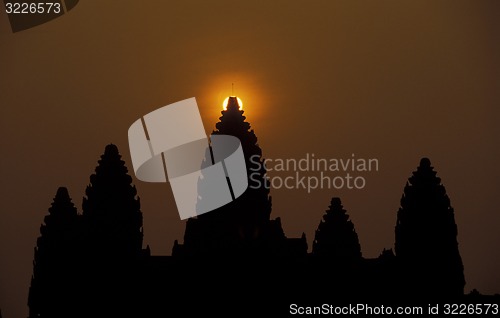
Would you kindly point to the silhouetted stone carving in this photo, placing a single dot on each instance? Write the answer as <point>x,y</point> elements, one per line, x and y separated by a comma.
<point>55,256</point>
<point>426,237</point>
<point>87,264</point>
<point>94,265</point>
<point>242,227</point>
<point>336,237</point>
<point>111,209</point>
<point>112,227</point>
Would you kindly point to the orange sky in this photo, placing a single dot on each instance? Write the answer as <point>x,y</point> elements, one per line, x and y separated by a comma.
<point>390,80</point>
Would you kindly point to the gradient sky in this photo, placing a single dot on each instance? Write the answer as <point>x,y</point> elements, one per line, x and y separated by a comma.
<point>392,80</point>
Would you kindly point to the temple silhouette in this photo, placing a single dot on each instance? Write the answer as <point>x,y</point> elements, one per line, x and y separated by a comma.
<point>93,263</point>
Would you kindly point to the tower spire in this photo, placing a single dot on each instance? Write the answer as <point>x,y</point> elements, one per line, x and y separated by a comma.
<point>232,89</point>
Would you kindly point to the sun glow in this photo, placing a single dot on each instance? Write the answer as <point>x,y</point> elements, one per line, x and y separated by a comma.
<point>224,104</point>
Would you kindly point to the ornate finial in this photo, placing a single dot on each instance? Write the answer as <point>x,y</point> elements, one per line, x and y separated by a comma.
<point>425,162</point>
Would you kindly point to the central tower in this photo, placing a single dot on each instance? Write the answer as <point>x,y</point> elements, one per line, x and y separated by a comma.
<point>244,225</point>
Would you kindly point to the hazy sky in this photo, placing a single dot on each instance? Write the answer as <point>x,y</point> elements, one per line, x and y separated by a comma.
<point>392,80</point>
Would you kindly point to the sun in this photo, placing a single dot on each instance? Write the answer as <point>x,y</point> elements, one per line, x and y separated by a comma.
<point>224,104</point>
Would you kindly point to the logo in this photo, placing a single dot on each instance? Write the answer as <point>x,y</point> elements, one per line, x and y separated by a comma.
<point>170,144</point>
